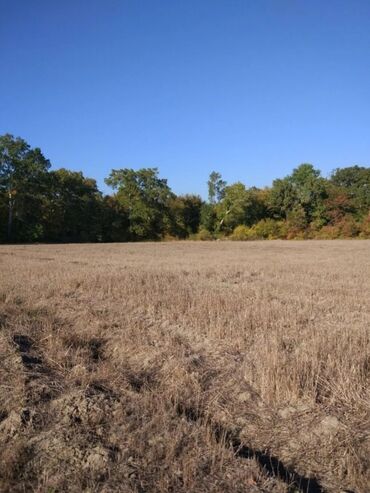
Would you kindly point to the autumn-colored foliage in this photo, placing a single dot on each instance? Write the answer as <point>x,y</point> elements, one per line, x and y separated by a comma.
<point>37,204</point>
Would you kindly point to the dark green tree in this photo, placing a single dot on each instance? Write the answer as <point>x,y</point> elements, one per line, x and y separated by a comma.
<point>304,191</point>
<point>355,181</point>
<point>258,205</point>
<point>114,220</point>
<point>208,217</point>
<point>23,172</point>
<point>74,207</point>
<point>282,197</point>
<point>146,197</point>
<point>185,211</point>
<point>41,205</point>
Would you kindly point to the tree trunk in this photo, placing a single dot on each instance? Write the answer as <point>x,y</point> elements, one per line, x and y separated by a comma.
<point>10,216</point>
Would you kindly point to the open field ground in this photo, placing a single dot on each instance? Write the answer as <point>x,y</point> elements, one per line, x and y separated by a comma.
<point>185,367</point>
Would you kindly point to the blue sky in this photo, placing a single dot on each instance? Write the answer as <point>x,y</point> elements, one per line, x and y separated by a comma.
<point>250,88</point>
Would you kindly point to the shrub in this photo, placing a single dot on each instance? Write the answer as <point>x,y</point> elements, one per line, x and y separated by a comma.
<point>270,229</point>
<point>365,227</point>
<point>329,232</point>
<point>169,237</point>
<point>241,233</point>
<point>298,235</point>
<point>265,229</point>
<point>345,228</point>
<point>349,228</point>
<point>203,235</point>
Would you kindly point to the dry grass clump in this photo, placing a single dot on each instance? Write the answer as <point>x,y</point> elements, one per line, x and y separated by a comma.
<point>177,367</point>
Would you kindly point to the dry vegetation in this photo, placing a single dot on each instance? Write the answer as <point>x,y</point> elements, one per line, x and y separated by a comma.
<point>185,367</point>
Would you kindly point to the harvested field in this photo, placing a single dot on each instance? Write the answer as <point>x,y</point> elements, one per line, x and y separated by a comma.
<point>185,367</point>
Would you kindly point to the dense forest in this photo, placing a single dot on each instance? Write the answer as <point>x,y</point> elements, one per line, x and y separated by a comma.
<point>42,205</point>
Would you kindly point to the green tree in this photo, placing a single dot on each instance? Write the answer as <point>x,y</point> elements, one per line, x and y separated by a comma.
<point>258,208</point>
<point>241,205</point>
<point>310,189</point>
<point>335,207</point>
<point>146,197</point>
<point>23,172</point>
<point>114,220</point>
<point>282,198</point>
<point>297,219</point>
<point>216,187</point>
<point>185,213</point>
<point>74,207</point>
<point>232,210</point>
<point>355,181</point>
<point>304,191</point>
<point>208,217</point>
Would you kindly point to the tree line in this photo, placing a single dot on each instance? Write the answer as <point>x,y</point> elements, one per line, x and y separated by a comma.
<point>38,204</point>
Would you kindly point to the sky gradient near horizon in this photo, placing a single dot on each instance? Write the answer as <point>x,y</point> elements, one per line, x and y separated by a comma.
<point>248,88</point>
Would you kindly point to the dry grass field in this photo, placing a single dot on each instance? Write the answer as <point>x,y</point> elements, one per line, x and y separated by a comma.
<point>185,367</point>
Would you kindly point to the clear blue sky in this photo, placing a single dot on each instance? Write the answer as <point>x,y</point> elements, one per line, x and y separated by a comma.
<point>250,88</point>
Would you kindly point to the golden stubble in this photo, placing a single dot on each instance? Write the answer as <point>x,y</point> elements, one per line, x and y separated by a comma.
<point>182,366</point>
